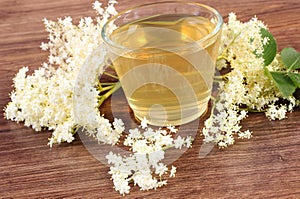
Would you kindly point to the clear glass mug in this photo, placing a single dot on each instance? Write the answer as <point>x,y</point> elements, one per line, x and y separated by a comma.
<point>164,54</point>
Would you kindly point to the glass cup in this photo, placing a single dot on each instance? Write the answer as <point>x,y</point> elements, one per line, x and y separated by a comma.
<point>164,55</point>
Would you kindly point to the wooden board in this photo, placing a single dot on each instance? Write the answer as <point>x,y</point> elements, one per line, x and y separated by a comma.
<point>267,166</point>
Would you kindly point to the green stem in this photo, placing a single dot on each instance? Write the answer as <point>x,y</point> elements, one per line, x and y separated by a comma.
<point>251,110</point>
<point>109,93</point>
<point>214,101</point>
<point>221,57</point>
<point>111,75</point>
<point>220,78</point>
<point>112,67</point>
<point>108,83</point>
<point>106,88</point>
<point>168,147</point>
<point>233,40</point>
<point>75,129</point>
<point>267,73</point>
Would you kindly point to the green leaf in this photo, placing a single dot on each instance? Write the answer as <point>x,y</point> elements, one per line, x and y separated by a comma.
<point>290,58</point>
<point>270,49</point>
<point>284,83</point>
<point>295,77</point>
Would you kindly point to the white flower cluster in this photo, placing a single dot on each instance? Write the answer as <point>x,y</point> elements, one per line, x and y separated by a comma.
<point>246,87</point>
<point>44,98</point>
<point>145,163</point>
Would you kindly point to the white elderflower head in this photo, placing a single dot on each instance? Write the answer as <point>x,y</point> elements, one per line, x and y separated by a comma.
<point>144,166</point>
<point>246,85</point>
<point>44,99</point>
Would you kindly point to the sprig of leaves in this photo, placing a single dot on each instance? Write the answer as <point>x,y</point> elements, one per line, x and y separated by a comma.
<point>287,80</point>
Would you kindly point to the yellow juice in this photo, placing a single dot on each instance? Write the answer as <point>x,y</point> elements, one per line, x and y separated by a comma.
<point>165,70</point>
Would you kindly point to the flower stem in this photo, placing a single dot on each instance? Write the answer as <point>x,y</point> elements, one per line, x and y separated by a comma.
<point>112,67</point>
<point>109,93</point>
<point>105,88</point>
<point>214,101</point>
<point>111,75</point>
<point>107,83</point>
<point>221,57</point>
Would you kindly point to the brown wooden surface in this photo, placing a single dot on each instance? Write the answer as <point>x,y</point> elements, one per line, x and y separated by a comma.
<point>267,166</point>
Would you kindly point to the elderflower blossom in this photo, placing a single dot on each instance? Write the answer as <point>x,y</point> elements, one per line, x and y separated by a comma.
<point>276,112</point>
<point>144,167</point>
<point>44,99</point>
<point>245,85</point>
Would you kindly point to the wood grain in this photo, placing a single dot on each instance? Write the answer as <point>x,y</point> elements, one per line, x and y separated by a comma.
<point>267,166</point>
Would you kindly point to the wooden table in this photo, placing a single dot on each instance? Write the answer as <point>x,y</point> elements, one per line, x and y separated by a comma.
<point>267,166</point>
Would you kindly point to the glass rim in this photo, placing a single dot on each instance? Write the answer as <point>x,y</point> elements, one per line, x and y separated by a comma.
<point>215,31</point>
